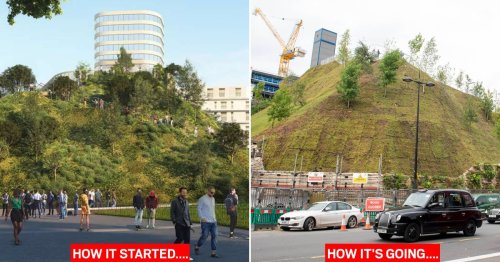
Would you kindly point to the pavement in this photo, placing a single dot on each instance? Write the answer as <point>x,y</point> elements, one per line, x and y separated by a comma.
<point>268,246</point>
<point>49,238</point>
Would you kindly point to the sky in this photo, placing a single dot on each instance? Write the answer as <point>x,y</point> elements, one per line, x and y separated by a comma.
<point>213,35</point>
<point>466,32</point>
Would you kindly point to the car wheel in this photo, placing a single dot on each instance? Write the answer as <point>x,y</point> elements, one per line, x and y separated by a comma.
<point>285,228</point>
<point>491,221</point>
<point>385,236</point>
<point>352,222</point>
<point>309,224</point>
<point>470,228</point>
<point>412,232</point>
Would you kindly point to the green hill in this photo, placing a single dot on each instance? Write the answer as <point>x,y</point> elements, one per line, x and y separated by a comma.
<point>376,125</point>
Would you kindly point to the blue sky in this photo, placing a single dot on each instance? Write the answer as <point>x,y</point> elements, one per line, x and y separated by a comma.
<point>213,35</point>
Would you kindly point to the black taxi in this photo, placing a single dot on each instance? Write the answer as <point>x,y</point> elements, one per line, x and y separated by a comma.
<point>429,212</point>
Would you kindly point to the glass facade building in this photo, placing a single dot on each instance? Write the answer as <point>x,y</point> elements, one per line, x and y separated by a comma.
<point>140,32</point>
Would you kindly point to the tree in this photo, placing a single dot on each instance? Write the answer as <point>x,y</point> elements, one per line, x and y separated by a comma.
<point>388,69</point>
<point>159,74</point>
<point>281,106</point>
<point>35,9</point>
<point>16,78</point>
<point>124,63</point>
<point>487,104</point>
<point>62,87</point>
<point>468,83</point>
<point>297,92</point>
<point>348,87</point>
<point>120,89</point>
<point>258,100</point>
<point>4,150</point>
<point>459,81</point>
<point>190,85</point>
<point>469,114</point>
<point>54,157</point>
<point>143,98</point>
<point>231,138</point>
<point>478,90</point>
<point>344,54</point>
<point>444,73</point>
<point>363,57</point>
<point>415,46</point>
<point>81,72</point>
<point>429,57</point>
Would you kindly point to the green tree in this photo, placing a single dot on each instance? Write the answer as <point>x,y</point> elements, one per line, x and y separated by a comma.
<point>415,46</point>
<point>258,100</point>
<point>82,72</point>
<point>444,74</point>
<point>478,90</point>
<point>143,98</point>
<point>120,89</point>
<point>63,87</point>
<point>231,138</point>
<point>35,9</point>
<point>190,85</point>
<point>54,157</point>
<point>468,83</point>
<point>124,63</point>
<point>281,106</point>
<point>297,92</point>
<point>4,150</point>
<point>389,66</point>
<point>344,54</point>
<point>16,78</point>
<point>487,104</point>
<point>200,159</point>
<point>348,86</point>
<point>363,57</point>
<point>429,57</point>
<point>159,74</point>
<point>459,81</point>
<point>469,114</point>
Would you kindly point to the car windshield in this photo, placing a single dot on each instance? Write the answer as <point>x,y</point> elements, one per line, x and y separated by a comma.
<point>317,206</point>
<point>418,199</point>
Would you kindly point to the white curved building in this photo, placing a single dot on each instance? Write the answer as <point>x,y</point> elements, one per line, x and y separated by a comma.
<point>140,32</point>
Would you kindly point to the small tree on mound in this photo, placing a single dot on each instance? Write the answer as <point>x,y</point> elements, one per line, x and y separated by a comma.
<point>388,69</point>
<point>281,106</point>
<point>348,87</point>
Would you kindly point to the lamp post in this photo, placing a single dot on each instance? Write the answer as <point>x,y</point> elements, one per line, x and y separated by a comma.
<point>419,84</point>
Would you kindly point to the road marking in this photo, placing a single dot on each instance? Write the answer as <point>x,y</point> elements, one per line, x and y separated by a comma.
<point>475,258</point>
<point>316,257</point>
<point>467,239</point>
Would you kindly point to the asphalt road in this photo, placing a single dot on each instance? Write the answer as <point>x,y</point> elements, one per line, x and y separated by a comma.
<point>294,246</point>
<point>49,239</point>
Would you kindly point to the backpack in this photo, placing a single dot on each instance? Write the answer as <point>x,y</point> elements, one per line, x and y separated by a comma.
<point>27,199</point>
<point>229,204</point>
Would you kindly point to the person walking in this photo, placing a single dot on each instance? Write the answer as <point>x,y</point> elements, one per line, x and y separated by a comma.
<point>75,204</point>
<point>151,205</point>
<point>5,203</point>
<point>61,199</point>
<point>108,198</point>
<point>85,212</point>
<point>65,204</point>
<point>138,204</point>
<point>16,215</point>
<point>98,196</point>
<point>179,212</point>
<point>50,203</point>
<point>44,201</point>
<point>27,204</point>
<point>231,202</point>
<point>206,213</point>
<point>113,199</point>
<point>37,200</point>
<point>91,198</point>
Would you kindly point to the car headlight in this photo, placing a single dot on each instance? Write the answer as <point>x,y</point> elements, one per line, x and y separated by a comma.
<point>297,218</point>
<point>398,218</point>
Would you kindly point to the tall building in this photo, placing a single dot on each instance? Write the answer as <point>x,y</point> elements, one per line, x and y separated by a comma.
<point>325,42</point>
<point>271,82</point>
<point>140,32</point>
<point>228,104</point>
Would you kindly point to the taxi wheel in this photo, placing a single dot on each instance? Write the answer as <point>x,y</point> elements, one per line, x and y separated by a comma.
<point>470,228</point>
<point>412,232</point>
<point>385,236</point>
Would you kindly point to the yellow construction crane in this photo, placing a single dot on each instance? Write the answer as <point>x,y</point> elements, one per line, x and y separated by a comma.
<point>289,49</point>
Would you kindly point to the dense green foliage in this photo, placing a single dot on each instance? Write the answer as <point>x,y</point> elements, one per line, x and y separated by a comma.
<point>281,106</point>
<point>348,86</point>
<point>35,9</point>
<point>112,133</point>
<point>17,78</point>
<point>389,66</point>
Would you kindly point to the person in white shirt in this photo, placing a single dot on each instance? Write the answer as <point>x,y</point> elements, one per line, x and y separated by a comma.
<point>206,213</point>
<point>36,204</point>
<point>91,198</point>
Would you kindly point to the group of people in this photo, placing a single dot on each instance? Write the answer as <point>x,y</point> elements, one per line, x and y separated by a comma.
<point>22,204</point>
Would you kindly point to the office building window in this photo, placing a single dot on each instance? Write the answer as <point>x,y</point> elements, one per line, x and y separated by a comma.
<point>210,93</point>
<point>215,104</point>
<point>246,116</point>
<point>247,104</point>
<point>222,92</point>
<point>223,105</point>
<point>232,104</point>
<point>223,117</point>
<point>237,92</point>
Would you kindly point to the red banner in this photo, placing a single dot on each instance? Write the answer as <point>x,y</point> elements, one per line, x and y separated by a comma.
<point>129,252</point>
<point>382,252</point>
<point>374,204</point>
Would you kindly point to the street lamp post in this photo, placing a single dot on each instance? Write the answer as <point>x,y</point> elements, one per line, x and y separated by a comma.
<point>419,84</point>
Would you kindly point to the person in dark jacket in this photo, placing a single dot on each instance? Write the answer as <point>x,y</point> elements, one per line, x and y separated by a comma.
<point>231,203</point>
<point>179,212</point>
<point>151,205</point>
<point>138,204</point>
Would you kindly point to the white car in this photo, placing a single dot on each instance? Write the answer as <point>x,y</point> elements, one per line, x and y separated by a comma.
<point>321,214</point>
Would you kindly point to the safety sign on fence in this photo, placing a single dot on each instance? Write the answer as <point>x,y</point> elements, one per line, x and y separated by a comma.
<point>315,177</point>
<point>374,204</point>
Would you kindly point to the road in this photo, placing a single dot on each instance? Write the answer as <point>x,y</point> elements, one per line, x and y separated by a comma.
<point>49,239</point>
<point>295,246</point>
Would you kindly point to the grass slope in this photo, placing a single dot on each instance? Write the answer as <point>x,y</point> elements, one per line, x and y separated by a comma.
<point>376,125</point>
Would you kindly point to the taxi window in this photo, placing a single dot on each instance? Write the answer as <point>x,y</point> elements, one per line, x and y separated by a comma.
<point>437,198</point>
<point>454,200</point>
<point>468,201</point>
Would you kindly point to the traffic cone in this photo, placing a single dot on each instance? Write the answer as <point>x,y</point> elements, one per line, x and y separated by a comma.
<point>343,226</point>
<point>368,226</point>
<point>362,222</point>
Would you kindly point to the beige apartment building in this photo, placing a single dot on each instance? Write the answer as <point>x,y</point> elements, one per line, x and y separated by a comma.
<point>228,104</point>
